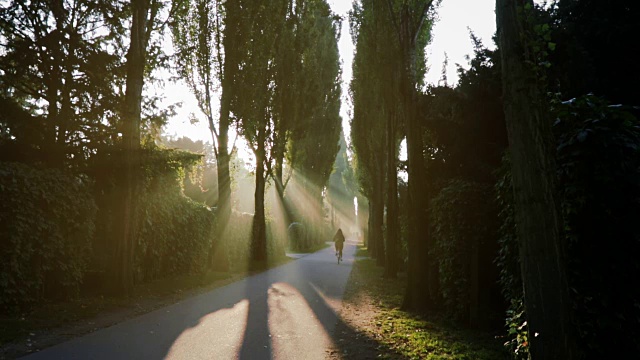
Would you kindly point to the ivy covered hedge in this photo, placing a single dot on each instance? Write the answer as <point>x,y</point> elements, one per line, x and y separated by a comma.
<point>46,228</point>
<point>175,232</point>
<point>464,227</point>
<point>56,228</point>
<point>175,237</point>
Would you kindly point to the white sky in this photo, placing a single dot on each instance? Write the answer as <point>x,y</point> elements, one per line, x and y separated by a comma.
<point>450,35</point>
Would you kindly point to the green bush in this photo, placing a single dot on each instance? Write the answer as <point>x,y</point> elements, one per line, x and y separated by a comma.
<point>464,227</point>
<point>175,236</point>
<point>599,178</point>
<point>508,261</point>
<point>46,229</point>
<point>176,232</point>
<point>598,160</point>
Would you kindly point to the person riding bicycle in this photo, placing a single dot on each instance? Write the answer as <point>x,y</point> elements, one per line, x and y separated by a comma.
<point>338,239</point>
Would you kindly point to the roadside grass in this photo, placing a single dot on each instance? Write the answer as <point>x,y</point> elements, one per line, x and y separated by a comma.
<point>90,313</point>
<point>418,337</point>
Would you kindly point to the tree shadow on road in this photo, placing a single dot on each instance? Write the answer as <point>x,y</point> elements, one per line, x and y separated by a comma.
<point>311,291</point>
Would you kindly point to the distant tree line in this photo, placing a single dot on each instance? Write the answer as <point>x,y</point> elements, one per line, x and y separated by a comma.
<point>522,177</point>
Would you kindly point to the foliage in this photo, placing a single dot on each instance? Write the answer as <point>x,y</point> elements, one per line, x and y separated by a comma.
<point>367,122</point>
<point>593,53</point>
<point>508,261</point>
<point>315,136</point>
<point>463,224</point>
<point>201,182</point>
<point>599,175</point>
<point>58,61</point>
<point>46,228</point>
<point>467,116</point>
<point>175,236</point>
<point>175,232</point>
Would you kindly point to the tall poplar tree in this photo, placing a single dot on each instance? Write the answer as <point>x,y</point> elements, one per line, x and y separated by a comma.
<point>258,28</point>
<point>315,135</point>
<point>412,26</point>
<point>198,35</point>
<point>368,120</point>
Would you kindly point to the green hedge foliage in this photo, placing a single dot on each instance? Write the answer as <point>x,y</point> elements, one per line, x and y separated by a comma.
<point>508,262</point>
<point>598,159</point>
<point>599,178</point>
<point>176,232</point>
<point>464,228</point>
<point>46,229</point>
<point>175,236</point>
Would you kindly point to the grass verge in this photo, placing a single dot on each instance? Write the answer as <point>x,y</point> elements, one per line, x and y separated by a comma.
<point>404,335</point>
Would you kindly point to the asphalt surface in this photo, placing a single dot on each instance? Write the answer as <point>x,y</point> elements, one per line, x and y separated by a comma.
<point>288,312</point>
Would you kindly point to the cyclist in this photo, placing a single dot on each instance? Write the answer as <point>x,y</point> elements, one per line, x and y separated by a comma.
<point>338,239</point>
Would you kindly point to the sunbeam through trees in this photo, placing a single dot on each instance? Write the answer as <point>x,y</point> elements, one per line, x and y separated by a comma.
<point>487,217</point>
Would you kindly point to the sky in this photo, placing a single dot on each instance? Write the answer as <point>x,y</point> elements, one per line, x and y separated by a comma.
<point>450,35</point>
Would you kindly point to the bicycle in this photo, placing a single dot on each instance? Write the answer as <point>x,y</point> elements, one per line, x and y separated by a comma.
<point>339,255</point>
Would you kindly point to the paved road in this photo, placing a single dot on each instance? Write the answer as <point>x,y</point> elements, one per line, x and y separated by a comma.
<point>288,312</point>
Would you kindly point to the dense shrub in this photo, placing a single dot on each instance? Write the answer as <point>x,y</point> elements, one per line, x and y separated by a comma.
<point>464,227</point>
<point>175,232</point>
<point>599,177</point>
<point>175,236</point>
<point>598,157</point>
<point>508,261</point>
<point>46,227</point>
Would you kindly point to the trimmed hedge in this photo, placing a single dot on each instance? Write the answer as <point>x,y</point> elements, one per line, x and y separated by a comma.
<point>464,225</point>
<point>175,236</point>
<point>46,228</point>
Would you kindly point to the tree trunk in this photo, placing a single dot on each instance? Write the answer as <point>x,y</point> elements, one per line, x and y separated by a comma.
<point>422,277</point>
<point>533,169</point>
<point>378,219</point>
<point>393,232</point>
<point>362,215</point>
<point>126,234</point>
<point>371,243</point>
<point>259,235</point>
<point>218,258</point>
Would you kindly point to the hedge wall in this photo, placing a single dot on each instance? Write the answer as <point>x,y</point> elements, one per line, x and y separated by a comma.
<point>46,228</point>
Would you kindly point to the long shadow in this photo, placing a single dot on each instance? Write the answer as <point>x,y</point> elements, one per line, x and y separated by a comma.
<point>194,325</point>
<point>256,343</point>
<point>309,278</point>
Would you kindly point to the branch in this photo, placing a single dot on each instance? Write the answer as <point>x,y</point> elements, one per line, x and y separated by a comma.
<point>423,17</point>
<point>175,5</point>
